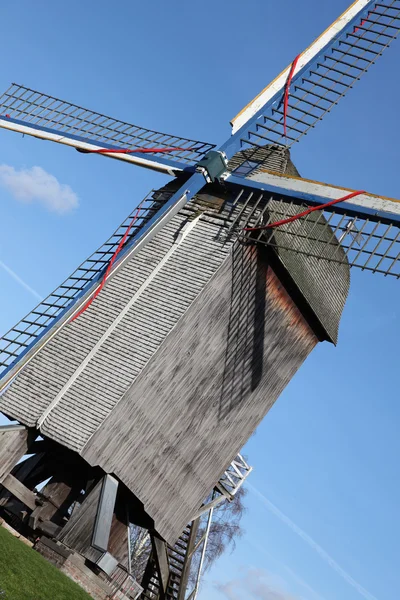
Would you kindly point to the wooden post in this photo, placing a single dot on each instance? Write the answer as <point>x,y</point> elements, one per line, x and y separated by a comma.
<point>105,513</point>
<point>160,554</point>
<point>14,443</point>
<point>17,489</point>
<point>118,544</point>
<point>77,534</point>
<point>188,559</point>
<point>58,497</point>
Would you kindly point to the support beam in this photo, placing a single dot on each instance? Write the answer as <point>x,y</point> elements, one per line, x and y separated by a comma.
<point>14,443</point>
<point>105,513</point>
<point>191,548</point>
<point>160,555</point>
<point>206,507</point>
<point>13,485</point>
<point>58,495</point>
<point>204,540</point>
<point>22,472</point>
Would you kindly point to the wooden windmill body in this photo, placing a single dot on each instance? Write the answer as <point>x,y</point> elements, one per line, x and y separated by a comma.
<point>136,408</point>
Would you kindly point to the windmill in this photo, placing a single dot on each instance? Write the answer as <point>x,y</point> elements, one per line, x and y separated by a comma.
<point>146,371</point>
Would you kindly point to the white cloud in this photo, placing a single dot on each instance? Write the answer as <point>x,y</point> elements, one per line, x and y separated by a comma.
<point>36,185</point>
<point>255,584</point>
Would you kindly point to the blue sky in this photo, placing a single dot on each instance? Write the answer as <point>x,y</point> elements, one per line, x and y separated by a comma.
<point>322,519</point>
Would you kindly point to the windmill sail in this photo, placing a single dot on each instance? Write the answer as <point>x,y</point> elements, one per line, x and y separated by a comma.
<point>33,113</point>
<point>315,192</point>
<point>369,244</point>
<point>325,72</point>
<point>363,232</point>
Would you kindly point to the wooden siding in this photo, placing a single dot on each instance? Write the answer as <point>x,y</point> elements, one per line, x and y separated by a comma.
<point>205,390</point>
<point>94,393</point>
<point>14,443</point>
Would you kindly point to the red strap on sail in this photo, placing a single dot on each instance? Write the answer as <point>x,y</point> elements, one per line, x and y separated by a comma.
<point>287,92</point>
<point>364,20</point>
<point>110,264</point>
<point>131,150</point>
<point>304,213</point>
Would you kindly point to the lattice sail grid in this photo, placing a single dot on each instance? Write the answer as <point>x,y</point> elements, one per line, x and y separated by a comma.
<point>317,88</point>
<point>40,110</point>
<point>368,243</point>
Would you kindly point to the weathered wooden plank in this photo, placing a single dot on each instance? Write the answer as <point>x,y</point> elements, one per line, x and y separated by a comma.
<point>78,532</point>
<point>48,528</point>
<point>105,511</point>
<point>118,542</point>
<point>188,559</point>
<point>14,443</point>
<point>13,485</point>
<point>160,554</point>
<point>23,472</point>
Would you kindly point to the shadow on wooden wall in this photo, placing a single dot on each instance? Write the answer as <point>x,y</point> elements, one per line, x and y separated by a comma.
<point>245,348</point>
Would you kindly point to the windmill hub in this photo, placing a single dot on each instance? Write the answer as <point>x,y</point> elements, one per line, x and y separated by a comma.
<point>213,165</point>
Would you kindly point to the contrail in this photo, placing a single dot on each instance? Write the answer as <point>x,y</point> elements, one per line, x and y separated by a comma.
<point>312,543</point>
<point>20,281</point>
<point>303,583</point>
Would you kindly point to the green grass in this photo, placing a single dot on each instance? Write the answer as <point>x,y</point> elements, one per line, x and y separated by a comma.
<point>26,575</point>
